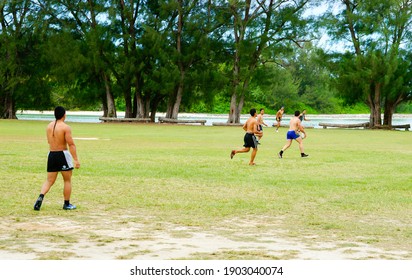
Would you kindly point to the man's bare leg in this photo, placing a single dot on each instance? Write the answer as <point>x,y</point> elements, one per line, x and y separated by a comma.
<point>287,145</point>
<point>252,157</point>
<point>51,178</point>
<point>302,152</point>
<point>67,190</point>
<point>234,152</point>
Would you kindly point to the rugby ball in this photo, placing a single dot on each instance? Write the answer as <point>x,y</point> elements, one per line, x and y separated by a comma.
<point>302,135</point>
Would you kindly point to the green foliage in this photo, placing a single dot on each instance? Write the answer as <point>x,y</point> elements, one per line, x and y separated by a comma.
<point>276,87</point>
<point>376,69</point>
<point>77,55</point>
<point>405,108</point>
<point>343,107</point>
<point>221,104</point>
<point>24,80</point>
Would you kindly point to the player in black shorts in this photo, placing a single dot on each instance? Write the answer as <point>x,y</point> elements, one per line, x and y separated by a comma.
<point>249,139</point>
<point>62,158</point>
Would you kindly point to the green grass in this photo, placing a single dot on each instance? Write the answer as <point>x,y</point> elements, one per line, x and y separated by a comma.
<point>356,185</point>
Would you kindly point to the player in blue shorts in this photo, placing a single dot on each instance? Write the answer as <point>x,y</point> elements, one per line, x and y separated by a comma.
<point>295,126</point>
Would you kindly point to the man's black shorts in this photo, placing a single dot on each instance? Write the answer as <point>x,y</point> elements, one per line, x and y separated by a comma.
<point>59,161</point>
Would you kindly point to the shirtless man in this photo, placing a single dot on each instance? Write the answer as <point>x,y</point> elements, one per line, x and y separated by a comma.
<point>261,122</point>
<point>295,127</point>
<point>59,136</point>
<point>250,140</point>
<point>279,116</point>
<point>302,116</point>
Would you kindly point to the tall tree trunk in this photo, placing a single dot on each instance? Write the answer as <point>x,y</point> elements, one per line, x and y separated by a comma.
<point>128,21</point>
<point>237,102</point>
<point>389,109</point>
<point>374,100</point>
<point>104,104</point>
<point>128,100</point>
<point>388,114</point>
<point>175,101</point>
<point>234,114</point>
<point>170,104</point>
<point>135,104</point>
<point>239,30</point>
<point>111,108</point>
<point>8,110</point>
<point>143,105</point>
<point>157,98</point>
<point>179,94</point>
<point>147,109</point>
<point>139,106</point>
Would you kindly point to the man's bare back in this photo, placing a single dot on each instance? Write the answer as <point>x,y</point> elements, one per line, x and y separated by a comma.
<point>295,124</point>
<point>250,126</point>
<point>56,135</point>
<point>59,136</point>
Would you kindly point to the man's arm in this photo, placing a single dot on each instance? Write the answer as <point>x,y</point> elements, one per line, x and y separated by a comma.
<point>301,128</point>
<point>72,146</point>
<point>255,129</point>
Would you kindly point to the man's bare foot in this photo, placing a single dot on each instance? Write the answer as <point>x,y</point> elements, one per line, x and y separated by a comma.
<point>252,163</point>
<point>232,154</point>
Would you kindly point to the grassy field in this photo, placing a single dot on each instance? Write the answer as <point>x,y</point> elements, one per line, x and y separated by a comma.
<point>172,192</point>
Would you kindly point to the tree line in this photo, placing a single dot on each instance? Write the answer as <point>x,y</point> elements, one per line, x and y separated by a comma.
<point>146,56</point>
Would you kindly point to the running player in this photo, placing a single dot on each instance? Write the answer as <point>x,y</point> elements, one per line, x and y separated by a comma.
<point>249,139</point>
<point>295,127</point>
<point>279,116</point>
<point>261,122</point>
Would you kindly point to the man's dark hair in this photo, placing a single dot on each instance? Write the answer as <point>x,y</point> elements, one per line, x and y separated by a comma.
<point>59,112</point>
<point>297,113</point>
<point>252,112</point>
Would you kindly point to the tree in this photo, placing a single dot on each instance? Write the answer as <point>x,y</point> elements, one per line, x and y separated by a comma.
<point>378,31</point>
<point>83,20</point>
<point>124,17</point>
<point>157,75</point>
<point>187,54</point>
<point>399,89</point>
<point>23,79</point>
<point>258,27</point>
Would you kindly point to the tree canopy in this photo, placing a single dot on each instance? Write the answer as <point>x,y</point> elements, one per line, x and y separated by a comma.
<point>145,56</point>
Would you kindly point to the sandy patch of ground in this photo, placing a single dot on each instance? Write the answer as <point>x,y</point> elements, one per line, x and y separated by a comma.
<point>102,238</point>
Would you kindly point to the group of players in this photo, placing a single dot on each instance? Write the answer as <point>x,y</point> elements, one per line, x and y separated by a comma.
<point>62,157</point>
<point>254,132</point>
